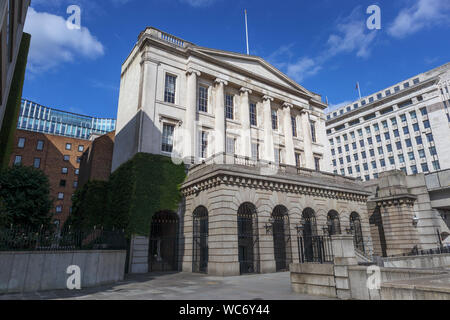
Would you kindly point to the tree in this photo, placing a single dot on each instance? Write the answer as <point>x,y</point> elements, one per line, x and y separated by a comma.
<point>25,197</point>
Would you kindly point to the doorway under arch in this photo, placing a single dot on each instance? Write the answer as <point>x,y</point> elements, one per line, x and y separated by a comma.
<point>200,240</point>
<point>247,220</point>
<point>281,238</point>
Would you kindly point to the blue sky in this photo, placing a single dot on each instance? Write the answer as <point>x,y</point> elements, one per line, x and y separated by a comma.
<point>324,45</point>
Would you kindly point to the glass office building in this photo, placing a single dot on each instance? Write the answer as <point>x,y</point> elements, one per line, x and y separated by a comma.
<point>34,117</point>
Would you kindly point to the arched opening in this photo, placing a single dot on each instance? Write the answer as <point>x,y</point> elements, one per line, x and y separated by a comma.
<point>355,226</point>
<point>163,244</point>
<point>200,240</point>
<point>308,240</point>
<point>333,223</point>
<point>248,239</point>
<point>281,238</point>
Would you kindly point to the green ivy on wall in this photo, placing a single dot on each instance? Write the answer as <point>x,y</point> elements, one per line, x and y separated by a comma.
<point>138,189</point>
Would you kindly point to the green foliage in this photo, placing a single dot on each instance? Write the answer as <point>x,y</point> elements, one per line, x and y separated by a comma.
<point>138,189</point>
<point>24,197</point>
<point>8,128</point>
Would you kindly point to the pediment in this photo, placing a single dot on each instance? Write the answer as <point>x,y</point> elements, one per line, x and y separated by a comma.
<point>255,65</point>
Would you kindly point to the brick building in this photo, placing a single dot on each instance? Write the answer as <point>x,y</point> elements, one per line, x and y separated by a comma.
<point>59,158</point>
<point>97,159</point>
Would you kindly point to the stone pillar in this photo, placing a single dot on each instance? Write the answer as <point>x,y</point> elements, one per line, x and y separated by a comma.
<point>269,152</point>
<point>246,133</point>
<point>344,256</point>
<point>219,112</point>
<point>191,112</point>
<point>146,109</point>
<point>307,141</point>
<point>288,134</point>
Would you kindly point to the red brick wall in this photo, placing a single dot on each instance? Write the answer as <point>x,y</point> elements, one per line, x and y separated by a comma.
<point>52,162</point>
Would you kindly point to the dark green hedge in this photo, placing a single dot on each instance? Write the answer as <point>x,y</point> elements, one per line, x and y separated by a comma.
<point>139,188</point>
<point>8,128</point>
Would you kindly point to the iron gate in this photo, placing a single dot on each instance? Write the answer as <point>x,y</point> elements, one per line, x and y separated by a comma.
<point>281,239</point>
<point>200,241</point>
<point>355,226</point>
<point>315,249</point>
<point>163,244</point>
<point>248,239</point>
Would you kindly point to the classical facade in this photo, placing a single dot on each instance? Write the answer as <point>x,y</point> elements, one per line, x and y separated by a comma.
<point>403,127</point>
<point>254,143</point>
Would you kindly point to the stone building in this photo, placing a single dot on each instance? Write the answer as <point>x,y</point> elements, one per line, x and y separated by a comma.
<point>254,141</point>
<point>402,127</point>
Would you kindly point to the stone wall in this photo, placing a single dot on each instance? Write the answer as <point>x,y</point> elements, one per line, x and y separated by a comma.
<point>40,271</point>
<point>313,279</point>
<point>433,261</point>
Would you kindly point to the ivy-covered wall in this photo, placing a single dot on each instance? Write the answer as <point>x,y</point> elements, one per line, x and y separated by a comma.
<point>138,189</point>
<point>9,125</point>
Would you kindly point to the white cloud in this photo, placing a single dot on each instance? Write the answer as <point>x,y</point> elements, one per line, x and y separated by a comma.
<point>52,43</point>
<point>303,68</point>
<point>422,14</point>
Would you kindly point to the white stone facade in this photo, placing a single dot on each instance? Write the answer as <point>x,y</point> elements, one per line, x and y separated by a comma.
<point>213,92</point>
<point>409,127</point>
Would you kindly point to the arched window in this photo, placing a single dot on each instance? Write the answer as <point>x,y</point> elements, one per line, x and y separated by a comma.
<point>248,238</point>
<point>333,223</point>
<point>163,244</point>
<point>281,238</point>
<point>309,223</point>
<point>355,226</point>
<point>200,240</point>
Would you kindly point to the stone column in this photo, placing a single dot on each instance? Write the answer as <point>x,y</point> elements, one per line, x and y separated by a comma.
<point>219,113</point>
<point>148,135</point>
<point>288,134</point>
<point>191,112</point>
<point>246,133</point>
<point>344,256</point>
<point>307,141</point>
<point>269,152</point>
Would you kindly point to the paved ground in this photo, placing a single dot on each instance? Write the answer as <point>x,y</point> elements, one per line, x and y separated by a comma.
<point>181,286</point>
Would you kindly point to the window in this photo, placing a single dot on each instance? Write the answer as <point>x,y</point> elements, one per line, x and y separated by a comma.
<point>419,140</point>
<point>40,145</point>
<point>167,138</point>
<point>397,89</point>
<point>78,159</point>
<point>387,136</point>
<point>356,157</point>
<point>66,158</point>
<point>349,159</point>
<point>430,137</point>
<point>385,124</point>
<point>340,150</point>
<point>313,131</point>
<point>380,151</point>
<point>341,161</point>
<point>298,161</point>
<point>229,107</point>
<point>352,134</point>
<point>343,172</point>
<point>350,170</point>
<point>411,156</point>
<point>68,146</point>
<point>317,163</point>
<point>408,143</point>
<point>379,96</point>
<point>277,153</point>
<point>230,145</point>
<point>364,155</point>
<point>202,99</point>
<point>361,143</point>
<point>403,117</point>
<point>368,131</point>
<point>203,143</point>
<point>345,137</point>
<point>378,137</point>
<point>274,120</point>
<point>58,209</point>
<point>366,167</point>
<point>367,177</point>
<point>253,115</point>
<point>401,158</point>
<point>64,170</point>
<point>21,143</point>
<point>394,121</point>
<point>398,144</point>
<point>387,92</point>
<point>413,115</point>
<point>426,124</point>
<point>333,152</point>
<point>331,142</point>
<point>389,148</point>
<point>77,171</point>
<point>424,111</point>
<point>334,163</point>
<point>396,133</point>
<point>75,184</point>
<point>436,165</point>
<point>392,161</point>
<point>414,169</point>
<point>294,126</point>
<point>369,140</point>
<point>360,132</point>
<point>60,196</point>
<point>383,163</point>
<point>37,163</point>
<point>372,152</point>
<point>358,168</point>
<point>416,81</point>
<point>17,160</point>
<point>422,154</point>
<point>354,146</point>
<point>347,148</point>
<point>169,91</point>
<point>404,170</point>
<point>405,130</point>
<point>425,167</point>
<point>338,139</point>
<point>416,127</point>
<point>406,85</point>
<point>433,151</point>
<point>80,148</point>
<point>62,183</point>
<point>376,126</point>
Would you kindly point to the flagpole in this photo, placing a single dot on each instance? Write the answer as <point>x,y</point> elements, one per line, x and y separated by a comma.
<point>359,91</point>
<point>246,32</point>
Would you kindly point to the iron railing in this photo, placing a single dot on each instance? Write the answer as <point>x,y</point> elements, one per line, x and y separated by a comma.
<point>315,249</point>
<point>416,252</point>
<point>25,238</point>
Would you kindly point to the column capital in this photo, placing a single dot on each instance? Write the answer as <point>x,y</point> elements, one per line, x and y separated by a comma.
<point>287,105</point>
<point>221,81</point>
<point>190,71</point>
<point>246,90</point>
<point>266,97</point>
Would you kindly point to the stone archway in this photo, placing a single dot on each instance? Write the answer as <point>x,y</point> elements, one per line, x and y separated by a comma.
<point>248,238</point>
<point>356,228</point>
<point>281,238</point>
<point>200,240</point>
<point>333,223</point>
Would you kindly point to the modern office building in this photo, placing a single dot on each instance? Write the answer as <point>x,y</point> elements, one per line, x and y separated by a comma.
<point>12,20</point>
<point>37,118</point>
<point>55,141</point>
<point>254,141</point>
<point>404,127</point>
